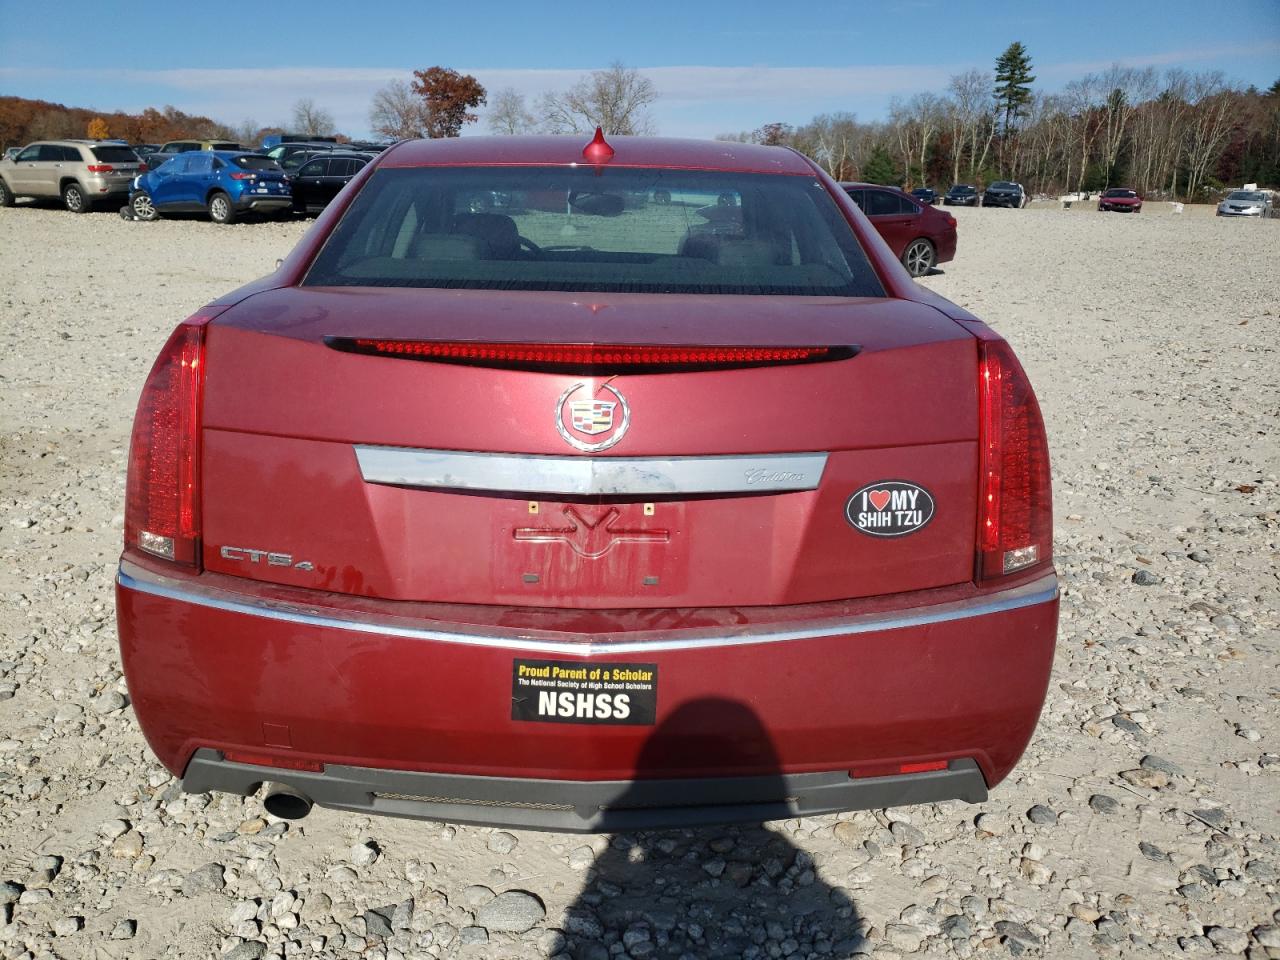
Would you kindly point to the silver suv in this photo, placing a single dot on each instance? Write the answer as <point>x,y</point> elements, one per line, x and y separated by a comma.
<point>81,172</point>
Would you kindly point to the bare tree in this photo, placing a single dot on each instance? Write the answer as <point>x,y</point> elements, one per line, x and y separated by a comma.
<point>509,115</point>
<point>973,122</point>
<point>615,99</point>
<point>1212,107</point>
<point>1127,88</point>
<point>396,112</point>
<point>312,120</point>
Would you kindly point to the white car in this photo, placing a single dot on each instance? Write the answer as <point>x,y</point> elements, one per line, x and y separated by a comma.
<point>1246,203</point>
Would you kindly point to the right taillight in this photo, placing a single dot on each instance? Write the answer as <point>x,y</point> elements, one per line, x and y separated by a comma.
<point>162,505</point>
<point>1015,511</point>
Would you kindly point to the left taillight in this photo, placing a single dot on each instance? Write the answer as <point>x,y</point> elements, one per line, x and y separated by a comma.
<point>162,504</point>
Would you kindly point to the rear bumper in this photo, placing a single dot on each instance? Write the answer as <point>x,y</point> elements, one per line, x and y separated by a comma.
<point>599,806</point>
<point>413,717</point>
<point>264,201</point>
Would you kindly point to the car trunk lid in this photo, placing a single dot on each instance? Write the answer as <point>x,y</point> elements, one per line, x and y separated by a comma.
<point>461,481</point>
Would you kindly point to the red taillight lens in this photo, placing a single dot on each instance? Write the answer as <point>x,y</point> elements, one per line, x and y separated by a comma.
<point>142,168</point>
<point>162,506</point>
<point>1015,515</point>
<point>242,176</point>
<point>589,356</point>
<point>898,769</point>
<point>99,167</point>
<point>273,760</point>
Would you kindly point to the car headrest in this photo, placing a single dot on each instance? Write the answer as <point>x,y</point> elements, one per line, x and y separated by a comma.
<point>495,229</point>
<point>730,251</point>
<point>448,246</point>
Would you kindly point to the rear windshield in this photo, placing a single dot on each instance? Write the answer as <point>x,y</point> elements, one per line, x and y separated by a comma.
<point>114,154</point>
<point>224,145</point>
<point>256,163</point>
<point>579,229</point>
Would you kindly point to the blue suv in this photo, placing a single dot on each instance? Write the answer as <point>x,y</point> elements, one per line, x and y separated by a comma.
<point>226,183</point>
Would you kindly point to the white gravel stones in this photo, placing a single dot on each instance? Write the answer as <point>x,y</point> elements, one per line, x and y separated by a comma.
<point>1152,342</point>
<point>364,854</point>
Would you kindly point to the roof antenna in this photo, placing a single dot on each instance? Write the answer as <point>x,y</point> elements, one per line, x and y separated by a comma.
<point>598,151</point>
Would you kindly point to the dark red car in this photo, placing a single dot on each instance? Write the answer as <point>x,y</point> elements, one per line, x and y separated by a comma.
<point>1120,200</point>
<point>920,236</point>
<point>631,513</point>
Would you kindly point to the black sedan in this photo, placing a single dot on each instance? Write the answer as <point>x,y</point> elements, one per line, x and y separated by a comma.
<point>318,180</point>
<point>1005,193</point>
<point>926,195</point>
<point>961,195</point>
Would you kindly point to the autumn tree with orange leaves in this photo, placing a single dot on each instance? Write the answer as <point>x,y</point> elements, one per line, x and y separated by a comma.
<point>447,97</point>
<point>98,129</point>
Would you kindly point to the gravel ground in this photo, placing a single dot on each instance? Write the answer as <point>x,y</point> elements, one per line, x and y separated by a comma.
<point>1143,821</point>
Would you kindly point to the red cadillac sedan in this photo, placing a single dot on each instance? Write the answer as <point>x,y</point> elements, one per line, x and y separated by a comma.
<point>675,501</point>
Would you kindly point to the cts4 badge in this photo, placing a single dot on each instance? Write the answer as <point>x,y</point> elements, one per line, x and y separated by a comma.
<point>889,508</point>
<point>582,412</point>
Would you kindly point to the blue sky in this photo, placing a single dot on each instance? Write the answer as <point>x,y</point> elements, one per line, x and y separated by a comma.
<point>719,66</point>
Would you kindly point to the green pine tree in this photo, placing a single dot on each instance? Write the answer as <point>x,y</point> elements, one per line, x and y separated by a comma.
<point>1013,84</point>
<point>880,168</point>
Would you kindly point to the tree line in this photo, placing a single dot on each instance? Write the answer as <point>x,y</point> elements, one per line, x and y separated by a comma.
<point>1174,134</point>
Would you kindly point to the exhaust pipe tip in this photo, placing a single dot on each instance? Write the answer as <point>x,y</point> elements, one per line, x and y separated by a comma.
<point>283,801</point>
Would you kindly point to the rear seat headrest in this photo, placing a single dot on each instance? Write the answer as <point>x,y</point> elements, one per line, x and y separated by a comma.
<point>496,229</point>
<point>448,246</point>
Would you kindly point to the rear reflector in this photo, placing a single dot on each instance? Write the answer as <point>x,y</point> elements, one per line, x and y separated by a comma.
<point>1015,520</point>
<point>898,769</point>
<point>589,357</point>
<point>273,760</point>
<point>162,503</point>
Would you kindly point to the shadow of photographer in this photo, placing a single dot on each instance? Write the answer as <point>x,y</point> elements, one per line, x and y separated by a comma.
<point>740,891</point>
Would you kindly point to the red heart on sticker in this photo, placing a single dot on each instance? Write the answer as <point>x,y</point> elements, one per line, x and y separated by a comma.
<point>879,498</point>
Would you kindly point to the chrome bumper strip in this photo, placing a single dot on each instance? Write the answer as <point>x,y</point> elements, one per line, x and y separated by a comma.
<point>133,577</point>
<point>590,476</point>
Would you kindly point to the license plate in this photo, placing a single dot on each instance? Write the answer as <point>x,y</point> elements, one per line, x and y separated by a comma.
<point>566,691</point>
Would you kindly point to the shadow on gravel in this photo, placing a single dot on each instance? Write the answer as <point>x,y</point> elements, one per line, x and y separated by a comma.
<point>739,891</point>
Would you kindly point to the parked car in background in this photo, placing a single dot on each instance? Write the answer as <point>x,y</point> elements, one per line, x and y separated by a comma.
<point>1120,200</point>
<point>1246,203</point>
<point>175,147</point>
<point>1005,193</point>
<point>184,146</point>
<point>926,195</point>
<point>145,150</point>
<point>961,195</point>
<point>81,172</point>
<point>320,179</point>
<point>291,156</point>
<point>454,518</point>
<point>275,139</point>
<point>920,236</point>
<point>224,183</point>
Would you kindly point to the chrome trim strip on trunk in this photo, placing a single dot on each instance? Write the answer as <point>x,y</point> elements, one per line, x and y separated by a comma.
<point>590,476</point>
<point>134,577</point>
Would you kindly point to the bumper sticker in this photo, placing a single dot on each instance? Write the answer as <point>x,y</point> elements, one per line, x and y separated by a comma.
<point>569,691</point>
<point>889,508</point>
